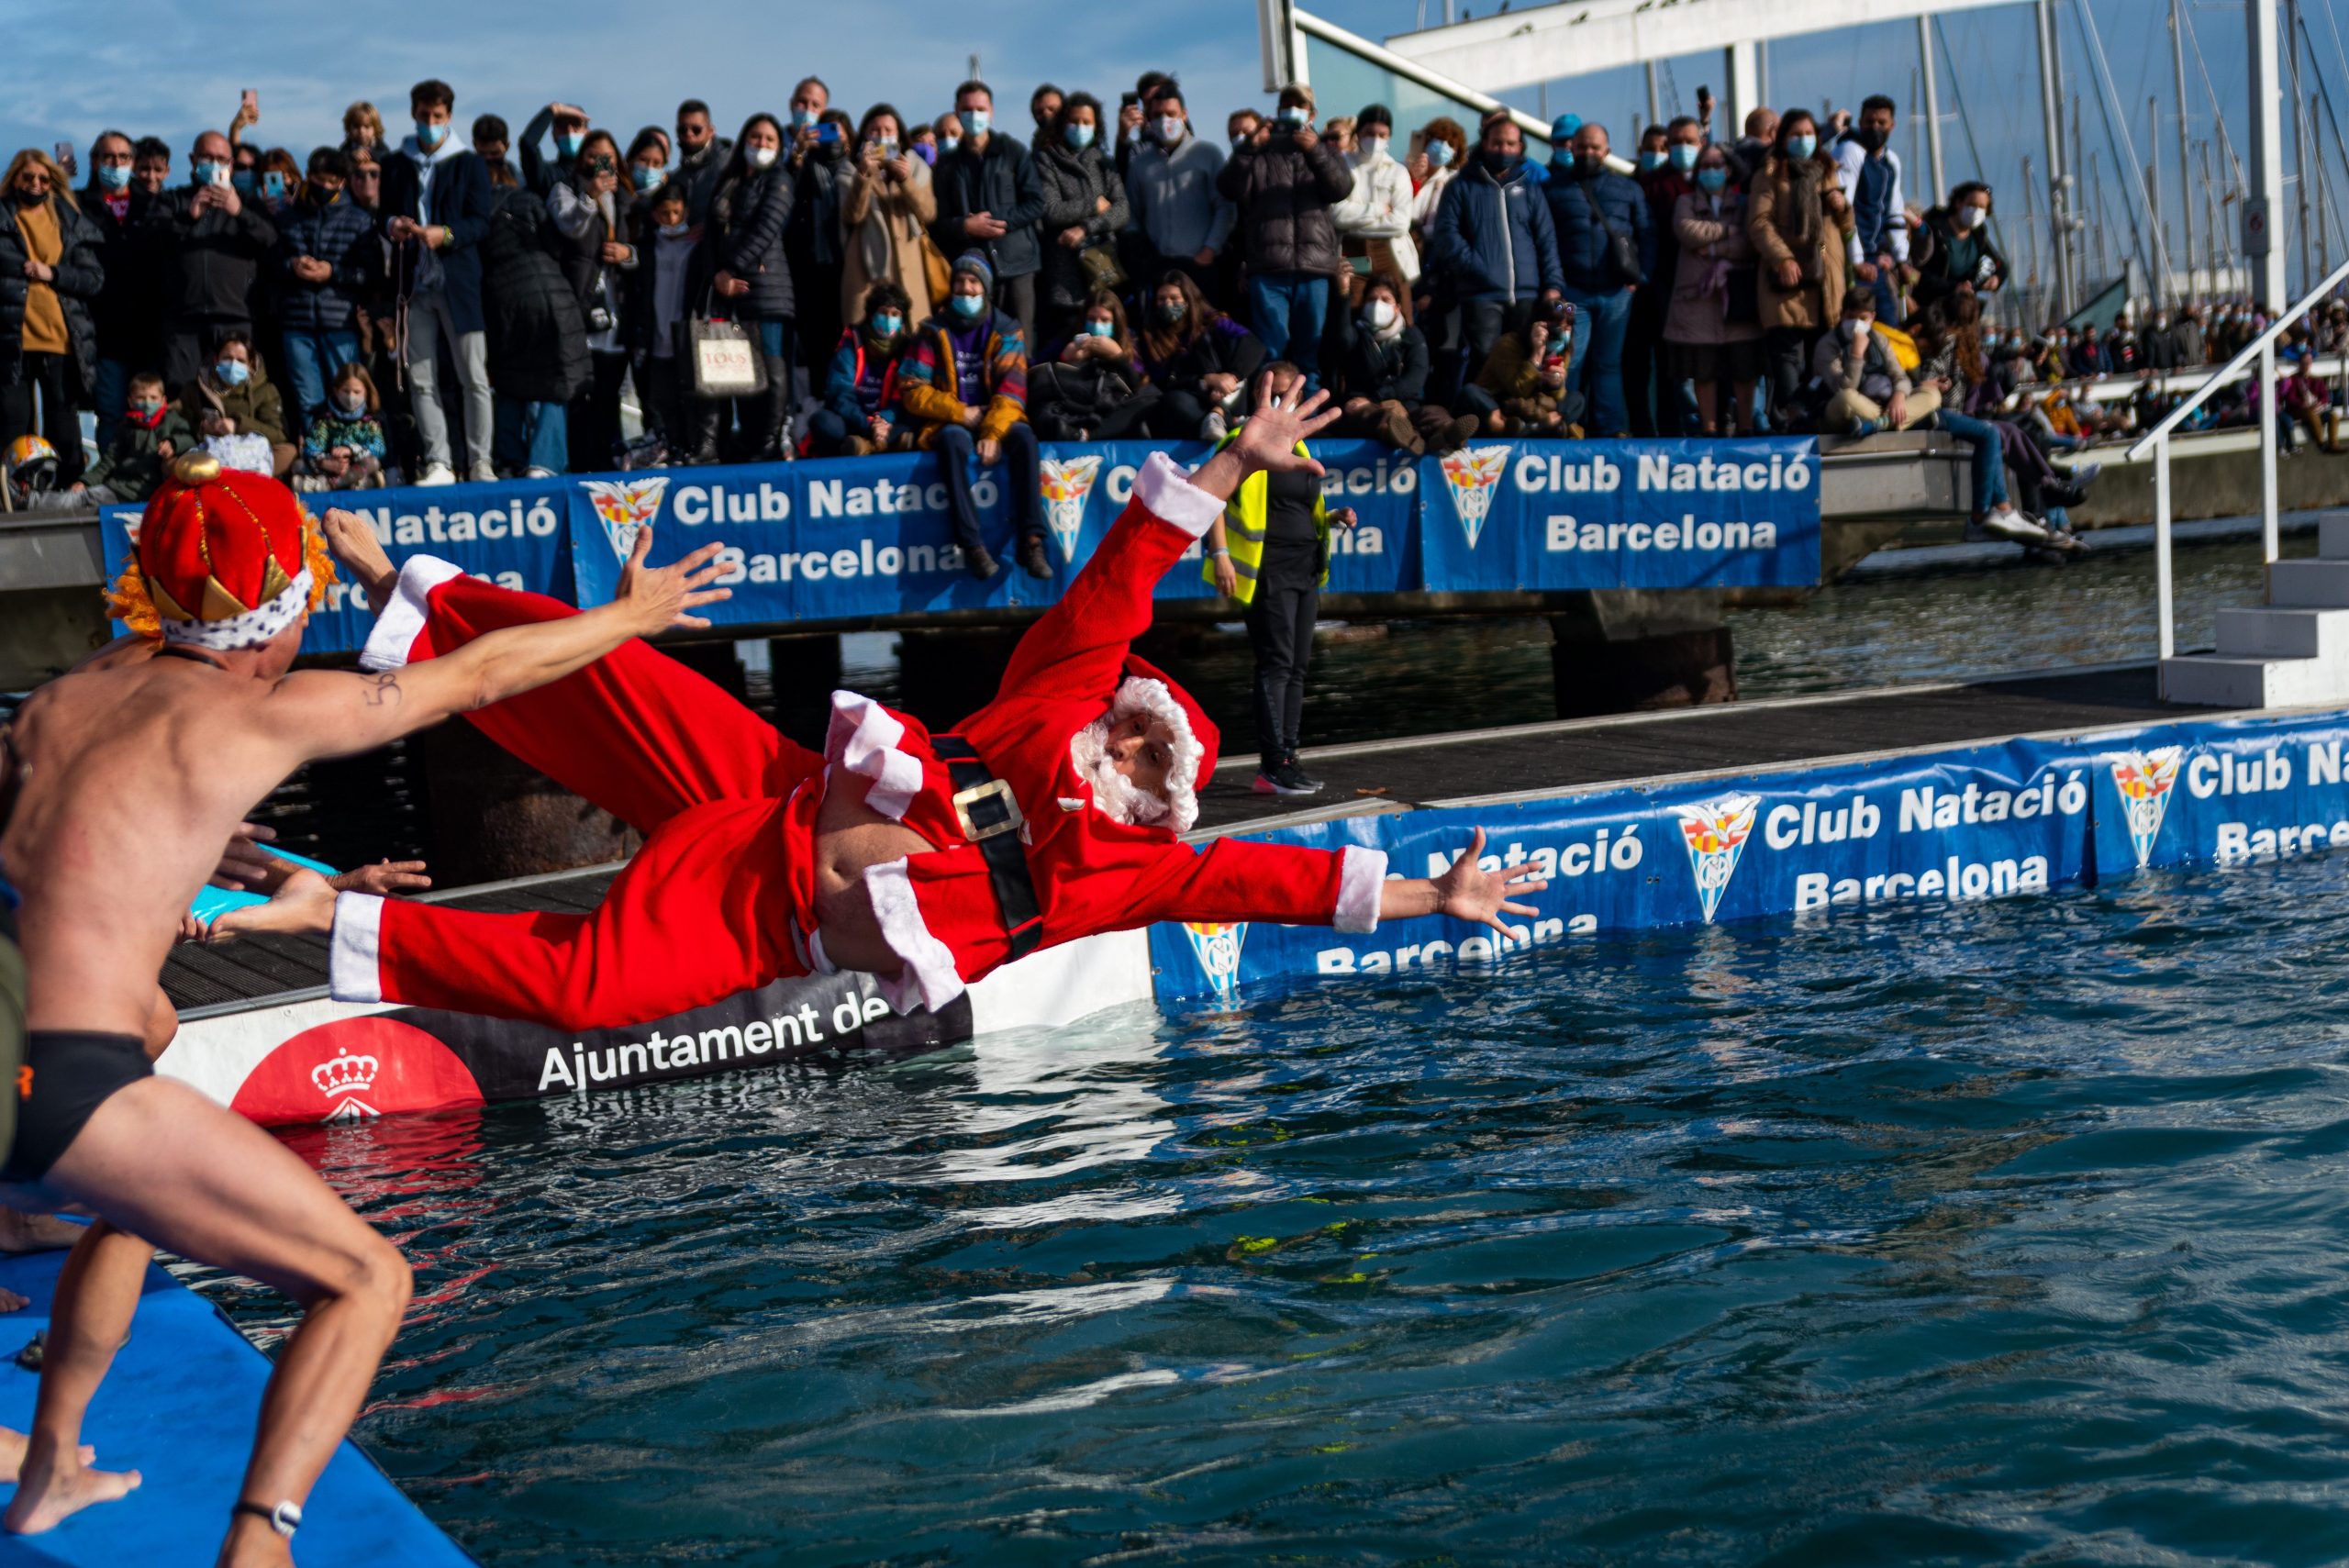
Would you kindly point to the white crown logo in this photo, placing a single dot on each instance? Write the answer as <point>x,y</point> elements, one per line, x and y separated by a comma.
<point>346,1075</point>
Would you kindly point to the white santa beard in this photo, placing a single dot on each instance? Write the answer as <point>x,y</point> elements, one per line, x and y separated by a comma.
<point>1112,791</point>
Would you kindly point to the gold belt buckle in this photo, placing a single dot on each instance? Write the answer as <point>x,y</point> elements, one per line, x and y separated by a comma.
<point>994,789</point>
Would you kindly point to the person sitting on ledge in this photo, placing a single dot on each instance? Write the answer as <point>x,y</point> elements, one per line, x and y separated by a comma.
<point>925,861</point>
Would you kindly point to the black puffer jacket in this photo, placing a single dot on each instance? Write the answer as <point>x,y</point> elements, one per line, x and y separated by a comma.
<point>1000,180</point>
<point>818,184</point>
<point>80,279</point>
<point>128,310</point>
<point>209,262</point>
<point>1074,183</point>
<point>538,344</point>
<point>1284,194</point>
<point>748,217</point>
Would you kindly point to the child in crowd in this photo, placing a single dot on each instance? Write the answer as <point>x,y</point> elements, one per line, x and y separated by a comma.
<point>343,447</point>
<point>1522,390</point>
<point>150,435</point>
<point>859,413</point>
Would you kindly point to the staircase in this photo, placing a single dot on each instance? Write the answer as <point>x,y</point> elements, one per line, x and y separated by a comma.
<point>2293,652</point>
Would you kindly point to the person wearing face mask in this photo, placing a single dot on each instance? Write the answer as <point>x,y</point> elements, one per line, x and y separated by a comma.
<point>750,276</point>
<point>49,274</point>
<point>947,131</point>
<point>1869,171</point>
<point>672,275</point>
<point>1137,115</point>
<point>823,162</point>
<point>343,445</point>
<point>593,243</point>
<point>991,199</point>
<point>1606,249</point>
<point>1713,332</point>
<point>1383,376</point>
<point>1659,403</point>
<point>1085,207</point>
<point>885,213</point>
<point>212,243</point>
<point>1375,220</point>
<point>1800,223</point>
<point>568,122</point>
<point>1200,360</point>
<point>648,164</point>
<point>963,382</point>
<point>234,396</point>
<point>860,414</point>
<point>1493,243</point>
<point>1956,255</point>
<point>1095,389</point>
<point>1286,183</point>
<point>1438,154</point>
<point>328,257</point>
<point>128,312</point>
<point>149,433</point>
<point>435,208</point>
<point>1183,221</point>
<point>702,156</point>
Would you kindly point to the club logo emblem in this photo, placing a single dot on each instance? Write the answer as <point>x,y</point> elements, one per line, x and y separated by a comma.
<point>625,505</point>
<point>2144,780</point>
<point>1067,482</point>
<point>1217,950</point>
<point>344,1080</point>
<point>1716,833</point>
<point>1470,474</point>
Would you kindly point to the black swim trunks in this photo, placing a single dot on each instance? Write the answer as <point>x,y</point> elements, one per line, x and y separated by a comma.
<point>66,1076</point>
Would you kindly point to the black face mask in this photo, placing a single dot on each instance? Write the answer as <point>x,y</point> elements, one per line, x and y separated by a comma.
<point>1869,138</point>
<point>1589,162</point>
<point>28,198</point>
<point>1495,162</point>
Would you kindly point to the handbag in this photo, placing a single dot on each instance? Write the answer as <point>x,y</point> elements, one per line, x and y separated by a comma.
<point>721,358</point>
<point>1622,249</point>
<point>937,269</point>
<point>1102,270</point>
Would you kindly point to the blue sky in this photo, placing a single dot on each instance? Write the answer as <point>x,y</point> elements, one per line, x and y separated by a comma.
<point>172,68</point>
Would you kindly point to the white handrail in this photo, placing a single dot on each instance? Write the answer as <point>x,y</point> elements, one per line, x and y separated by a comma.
<point>2233,369</point>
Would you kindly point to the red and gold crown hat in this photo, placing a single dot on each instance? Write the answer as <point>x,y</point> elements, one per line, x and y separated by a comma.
<point>226,559</point>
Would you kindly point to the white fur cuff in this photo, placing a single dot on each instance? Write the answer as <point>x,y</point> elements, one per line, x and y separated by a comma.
<point>402,621</point>
<point>1166,491</point>
<point>354,961</point>
<point>1362,873</point>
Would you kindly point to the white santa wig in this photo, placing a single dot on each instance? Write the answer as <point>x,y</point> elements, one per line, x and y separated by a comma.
<point>1116,793</point>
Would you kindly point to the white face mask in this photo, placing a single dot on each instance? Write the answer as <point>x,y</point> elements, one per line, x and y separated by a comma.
<point>1170,128</point>
<point>1382,314</point>
<point>761,157</point>
<point>1969,218</point>
<point>1373,148</point>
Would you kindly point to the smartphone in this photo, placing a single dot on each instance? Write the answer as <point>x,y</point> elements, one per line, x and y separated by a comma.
<point>225,175</point>
<point>1128,98</point>
<point>64,150</point>
<point>252,103</point>
<point>827,130</point>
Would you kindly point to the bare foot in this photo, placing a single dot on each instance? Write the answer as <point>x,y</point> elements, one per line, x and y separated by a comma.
<point>353,539</point>
<point>305,905</point>
<point>49,1493</point>
<point>25,1232</point>
<point>11,1454</point>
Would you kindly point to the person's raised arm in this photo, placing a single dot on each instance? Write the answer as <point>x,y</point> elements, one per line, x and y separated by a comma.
<point>325,713</point>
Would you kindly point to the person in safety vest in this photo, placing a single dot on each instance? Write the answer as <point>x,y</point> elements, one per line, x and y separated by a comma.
<point>925,861</point>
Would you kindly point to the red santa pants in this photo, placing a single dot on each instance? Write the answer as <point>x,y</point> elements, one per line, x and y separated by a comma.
<point>704,911</point>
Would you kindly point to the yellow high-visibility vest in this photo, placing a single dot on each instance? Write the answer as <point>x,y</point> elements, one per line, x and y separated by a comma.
<point>1243,529</point>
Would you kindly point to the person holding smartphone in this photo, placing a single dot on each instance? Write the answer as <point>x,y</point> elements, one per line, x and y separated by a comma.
<point>212,242</point>
<point>587,210</point>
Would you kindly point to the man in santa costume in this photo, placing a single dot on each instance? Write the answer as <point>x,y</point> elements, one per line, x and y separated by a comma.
<point>923,860</point>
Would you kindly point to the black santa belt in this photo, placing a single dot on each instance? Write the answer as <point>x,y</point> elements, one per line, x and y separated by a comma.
<point>989,816</point>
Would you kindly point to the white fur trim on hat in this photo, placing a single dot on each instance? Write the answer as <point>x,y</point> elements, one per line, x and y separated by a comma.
<point>929,978</point>
<point>862,737</point>
<point>249,630</point>
<point>402,620</point>
<point>1164,489</point>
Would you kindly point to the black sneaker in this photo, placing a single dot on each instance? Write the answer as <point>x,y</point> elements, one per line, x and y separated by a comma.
<point>1283,781</point>
<point>1032,556</point>
<point>1300,776</point>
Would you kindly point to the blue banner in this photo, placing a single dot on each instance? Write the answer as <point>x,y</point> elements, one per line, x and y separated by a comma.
<point>512,533</point>
<point>2022,816</point>
<point>1629,514</point>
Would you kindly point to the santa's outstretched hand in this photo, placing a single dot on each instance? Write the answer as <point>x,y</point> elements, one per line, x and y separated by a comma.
<point>1467,891</point>
<point>1268,439</point>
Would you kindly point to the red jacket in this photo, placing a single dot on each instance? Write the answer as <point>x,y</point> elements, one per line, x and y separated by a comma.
<point>1091,872</point>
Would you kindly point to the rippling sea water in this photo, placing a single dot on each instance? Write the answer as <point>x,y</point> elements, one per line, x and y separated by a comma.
<point>2003,1233</point>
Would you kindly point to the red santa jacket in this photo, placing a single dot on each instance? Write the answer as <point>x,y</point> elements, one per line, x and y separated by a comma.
<point>1092,873</point>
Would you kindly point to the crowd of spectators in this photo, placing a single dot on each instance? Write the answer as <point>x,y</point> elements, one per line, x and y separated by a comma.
<point>474,304</point>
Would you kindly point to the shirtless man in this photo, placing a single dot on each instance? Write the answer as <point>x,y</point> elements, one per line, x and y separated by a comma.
<point>151,757</point>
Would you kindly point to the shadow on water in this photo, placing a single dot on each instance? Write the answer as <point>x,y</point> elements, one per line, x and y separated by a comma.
<point>1999,1234</point>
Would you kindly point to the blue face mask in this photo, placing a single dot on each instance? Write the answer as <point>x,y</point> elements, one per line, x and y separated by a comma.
<point>1801,146</point>
<point>1291,117</point>
<point>114,177</point>
<point>1439,154</point>
<point>1077,136</point>
<point>975,121</point>
<point>244,181</point>
<point>569,142</point>
<point>926,153</point>
<point>647,176</point>
<point>1099,329</point>
<point>887,326</point>
<point>949,143</point>
<point>1684,156</point>
<point>429,135</point>
<point>232,373</point>
<point>803,119</point>
<point>1712,182</point>
<point>968,305</point>
<point>1652,160</point>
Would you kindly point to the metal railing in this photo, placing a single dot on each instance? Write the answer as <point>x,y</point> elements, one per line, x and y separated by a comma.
<point>2157,441</point>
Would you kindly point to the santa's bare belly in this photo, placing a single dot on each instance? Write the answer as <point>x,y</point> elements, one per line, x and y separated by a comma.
<point>852,838</point>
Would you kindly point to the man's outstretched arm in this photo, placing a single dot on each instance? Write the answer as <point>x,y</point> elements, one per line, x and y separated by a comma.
<point>1241,879</point>
<point>338,714</point>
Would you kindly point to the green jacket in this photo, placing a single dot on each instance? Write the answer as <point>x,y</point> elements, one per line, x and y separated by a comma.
<point>133,466</point>
<point>1243,529</point>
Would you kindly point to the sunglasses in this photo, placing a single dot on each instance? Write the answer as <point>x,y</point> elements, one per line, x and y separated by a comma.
<point>601,166</point>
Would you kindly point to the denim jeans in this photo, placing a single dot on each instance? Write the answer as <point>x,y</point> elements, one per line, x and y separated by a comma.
<point>532,435</point>
<point>111,395</point>
<point>310,359</point>
<point>957,451</point>
<point>1287,310</point>
<point>1596,369</point>
<point>1989,456</point>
